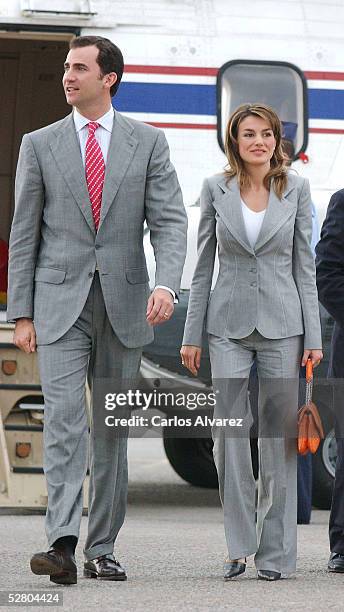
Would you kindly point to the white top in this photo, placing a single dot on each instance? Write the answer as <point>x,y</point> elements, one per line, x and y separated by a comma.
<point>253,222</point>
<point>102,134</point>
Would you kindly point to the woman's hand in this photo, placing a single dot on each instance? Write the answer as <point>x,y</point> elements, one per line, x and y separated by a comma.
<point>191,357</point>
<point>316,356</point>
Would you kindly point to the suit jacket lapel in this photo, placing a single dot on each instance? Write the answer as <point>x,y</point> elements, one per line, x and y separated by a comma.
<point>65,148</point>
<point>121,152</point>
<point>277,213</point>
<point>228,206</point>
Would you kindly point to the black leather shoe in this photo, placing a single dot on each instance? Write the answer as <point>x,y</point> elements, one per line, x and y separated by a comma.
<point>233,569</point>
<point>105,568</point>
<point>336,563</point>
<point>58,564</point>
<point>268,575</point>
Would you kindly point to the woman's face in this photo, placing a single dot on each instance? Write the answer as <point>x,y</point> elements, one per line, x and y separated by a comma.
<point>256,141</point>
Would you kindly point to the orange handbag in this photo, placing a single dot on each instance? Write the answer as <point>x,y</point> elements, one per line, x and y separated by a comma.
<point>310,429</point>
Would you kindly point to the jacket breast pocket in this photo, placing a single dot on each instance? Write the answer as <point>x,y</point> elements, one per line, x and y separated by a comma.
<point>50,275</point>
<point>136,276</point>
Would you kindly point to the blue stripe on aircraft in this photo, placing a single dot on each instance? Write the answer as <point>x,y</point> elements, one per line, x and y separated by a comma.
<point>170,98</point>
<point>326,103</point>
<point>185,99</point>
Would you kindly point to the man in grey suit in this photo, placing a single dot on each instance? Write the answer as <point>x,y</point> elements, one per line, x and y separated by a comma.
<point>78,290</point>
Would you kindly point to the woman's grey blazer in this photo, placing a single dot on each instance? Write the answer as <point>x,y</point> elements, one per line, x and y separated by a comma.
<point>270,288</point>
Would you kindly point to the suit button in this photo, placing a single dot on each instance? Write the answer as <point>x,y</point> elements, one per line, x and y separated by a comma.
<point>97,247</point>
<point>90,275</point>
<point>254,284</point>
<point>253,270</point>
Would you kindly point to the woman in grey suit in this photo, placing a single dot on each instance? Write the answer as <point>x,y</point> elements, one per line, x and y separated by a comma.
<point>264,307</point>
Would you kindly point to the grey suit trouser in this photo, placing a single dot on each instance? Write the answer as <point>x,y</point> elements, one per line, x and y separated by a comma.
<point>90,349</point>
<point>273,539</point>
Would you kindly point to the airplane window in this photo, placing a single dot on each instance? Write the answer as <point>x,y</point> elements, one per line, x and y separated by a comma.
<point>279,84</point>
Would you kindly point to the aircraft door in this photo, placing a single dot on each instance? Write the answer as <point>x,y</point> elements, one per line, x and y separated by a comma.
<point>278,84</point>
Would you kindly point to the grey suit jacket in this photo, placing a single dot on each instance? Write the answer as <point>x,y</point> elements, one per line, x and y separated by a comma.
<point>270,288</point>
<point>54,249</point>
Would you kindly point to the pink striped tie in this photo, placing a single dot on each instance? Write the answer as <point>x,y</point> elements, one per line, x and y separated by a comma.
<point>95,171</point>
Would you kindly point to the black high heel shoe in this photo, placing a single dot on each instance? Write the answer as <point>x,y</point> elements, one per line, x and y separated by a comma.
<point>233,569</point>
<point>268,575</point>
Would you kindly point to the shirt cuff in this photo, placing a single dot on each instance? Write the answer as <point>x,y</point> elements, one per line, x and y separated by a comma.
<point>175,299</point>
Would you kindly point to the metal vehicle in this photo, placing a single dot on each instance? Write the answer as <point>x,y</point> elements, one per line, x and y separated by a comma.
<point>187,66</point>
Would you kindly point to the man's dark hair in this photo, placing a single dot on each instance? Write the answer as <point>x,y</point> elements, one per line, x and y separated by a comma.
<point>110,58</point>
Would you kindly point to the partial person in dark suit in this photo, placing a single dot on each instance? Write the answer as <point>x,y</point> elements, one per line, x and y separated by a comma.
<point>3,271</point>
<point>330,280</point>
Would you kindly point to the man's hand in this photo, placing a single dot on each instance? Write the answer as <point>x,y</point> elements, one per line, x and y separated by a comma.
<point>160,307</point>
<point>25,336</point>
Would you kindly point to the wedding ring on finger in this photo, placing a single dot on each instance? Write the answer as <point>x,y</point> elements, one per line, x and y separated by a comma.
<point>166,315</point>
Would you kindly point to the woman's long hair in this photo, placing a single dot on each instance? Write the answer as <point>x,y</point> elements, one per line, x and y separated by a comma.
<point>278,162</point>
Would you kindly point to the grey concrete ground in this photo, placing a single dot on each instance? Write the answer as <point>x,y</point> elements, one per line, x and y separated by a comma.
<point>172,546</point>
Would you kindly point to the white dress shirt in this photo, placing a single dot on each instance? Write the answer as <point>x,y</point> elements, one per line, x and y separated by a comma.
<point>103,137</point>
<point>102,134</point>
<point>253,222</point>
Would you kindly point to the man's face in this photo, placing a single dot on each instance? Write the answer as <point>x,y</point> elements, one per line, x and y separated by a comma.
<point>82,80</point>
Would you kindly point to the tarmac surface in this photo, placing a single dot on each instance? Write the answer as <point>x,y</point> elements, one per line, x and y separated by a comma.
<point>172,546</point>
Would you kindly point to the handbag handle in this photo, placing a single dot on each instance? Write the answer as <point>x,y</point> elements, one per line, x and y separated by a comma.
<point>309,381</point>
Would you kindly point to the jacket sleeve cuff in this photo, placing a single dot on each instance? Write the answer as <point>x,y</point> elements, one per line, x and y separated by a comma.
<point>175,297</point>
